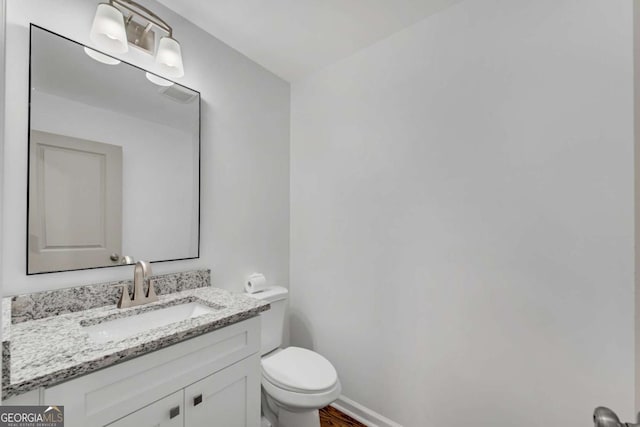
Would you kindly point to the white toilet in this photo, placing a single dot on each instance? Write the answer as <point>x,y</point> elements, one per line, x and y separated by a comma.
<point>296,382</point>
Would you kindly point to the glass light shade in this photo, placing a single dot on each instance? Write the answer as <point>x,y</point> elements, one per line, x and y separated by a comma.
<point>158,80</point>
<point>169,57</point>
<point>108,31</point>
<point>101,57</point>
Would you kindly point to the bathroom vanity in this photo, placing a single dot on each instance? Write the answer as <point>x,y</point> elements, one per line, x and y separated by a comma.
<point>108,370</point>
<point>191,358</point>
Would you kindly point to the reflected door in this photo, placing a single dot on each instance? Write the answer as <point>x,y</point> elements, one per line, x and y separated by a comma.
<point>75,206</point>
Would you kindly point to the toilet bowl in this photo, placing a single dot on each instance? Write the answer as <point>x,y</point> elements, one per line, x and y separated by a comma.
<point>296,382</point>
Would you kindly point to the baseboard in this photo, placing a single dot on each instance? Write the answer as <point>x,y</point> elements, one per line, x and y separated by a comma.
<point>362,414</point>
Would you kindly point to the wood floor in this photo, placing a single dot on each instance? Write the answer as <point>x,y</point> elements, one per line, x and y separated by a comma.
<point>331,417</point>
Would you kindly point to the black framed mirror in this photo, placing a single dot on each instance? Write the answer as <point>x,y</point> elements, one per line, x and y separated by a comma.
<point>114,161</point>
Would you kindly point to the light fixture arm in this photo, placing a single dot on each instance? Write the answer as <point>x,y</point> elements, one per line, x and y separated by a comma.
<point>149,16</point>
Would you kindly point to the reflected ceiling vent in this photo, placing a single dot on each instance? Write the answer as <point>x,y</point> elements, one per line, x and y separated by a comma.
<point>178,93</point>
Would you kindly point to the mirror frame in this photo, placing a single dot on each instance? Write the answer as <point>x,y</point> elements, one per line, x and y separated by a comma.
<point>33,26</point>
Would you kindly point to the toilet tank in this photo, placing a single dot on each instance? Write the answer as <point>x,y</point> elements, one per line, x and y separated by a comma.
<point>273,319</point>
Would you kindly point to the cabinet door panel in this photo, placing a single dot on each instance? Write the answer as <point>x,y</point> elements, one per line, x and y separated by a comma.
<point>229,398</point>
<point>162,413</point>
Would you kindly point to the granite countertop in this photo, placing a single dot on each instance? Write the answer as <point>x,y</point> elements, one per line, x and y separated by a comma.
<point>43,352</point>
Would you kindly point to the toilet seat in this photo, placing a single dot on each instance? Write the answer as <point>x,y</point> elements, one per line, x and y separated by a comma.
<point>299,402</point>
<point>299,379</point>
<point>299,370</point>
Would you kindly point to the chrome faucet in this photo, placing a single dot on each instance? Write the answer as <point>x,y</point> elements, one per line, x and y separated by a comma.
<point>141,277</point>
<point>605,417</point>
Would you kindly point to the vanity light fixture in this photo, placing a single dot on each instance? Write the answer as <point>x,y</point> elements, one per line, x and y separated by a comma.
<point>119,23</point>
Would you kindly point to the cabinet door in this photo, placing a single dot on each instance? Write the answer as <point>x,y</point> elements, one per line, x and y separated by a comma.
<point>167,412</point>
<point>229,398</point>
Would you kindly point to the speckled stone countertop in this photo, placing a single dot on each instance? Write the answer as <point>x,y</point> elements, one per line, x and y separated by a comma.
<point>44,352</point>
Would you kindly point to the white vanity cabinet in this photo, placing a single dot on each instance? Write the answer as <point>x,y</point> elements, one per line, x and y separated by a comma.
<point>222,399</point>
<point>212,380</point>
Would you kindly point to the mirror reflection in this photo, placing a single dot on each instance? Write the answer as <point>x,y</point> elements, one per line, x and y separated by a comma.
<point>113,161</point>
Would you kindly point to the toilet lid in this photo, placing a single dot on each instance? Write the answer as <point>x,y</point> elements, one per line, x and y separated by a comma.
<point>300,370</point>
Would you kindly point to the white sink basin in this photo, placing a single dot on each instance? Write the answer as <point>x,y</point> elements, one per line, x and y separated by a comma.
<point>123,327</point>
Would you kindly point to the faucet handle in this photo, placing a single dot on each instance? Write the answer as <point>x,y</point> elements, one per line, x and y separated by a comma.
<point>125,298</point>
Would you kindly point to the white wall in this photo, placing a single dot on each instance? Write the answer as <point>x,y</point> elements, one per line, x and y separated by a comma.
<point>636,57</point>
<point>161,186</point>
<point>462,216</point>
<point>245,152</point>
<point>2,73</point>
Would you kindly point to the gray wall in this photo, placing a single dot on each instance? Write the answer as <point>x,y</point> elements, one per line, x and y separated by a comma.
<point>245,152</point>
<point>462,216</point>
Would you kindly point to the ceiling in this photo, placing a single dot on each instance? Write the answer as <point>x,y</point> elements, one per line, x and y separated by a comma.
<point>293,38</point>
